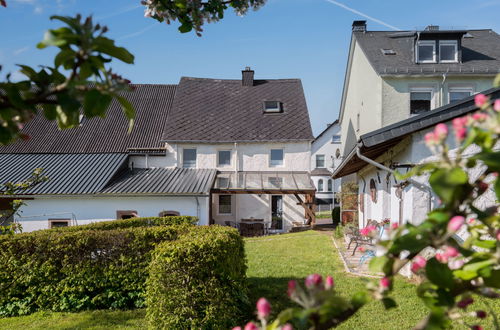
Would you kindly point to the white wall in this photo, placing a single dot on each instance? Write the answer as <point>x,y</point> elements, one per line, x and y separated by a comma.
<point>36,212</point>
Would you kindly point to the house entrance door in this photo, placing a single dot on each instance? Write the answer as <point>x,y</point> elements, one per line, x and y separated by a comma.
<point>277,212</point>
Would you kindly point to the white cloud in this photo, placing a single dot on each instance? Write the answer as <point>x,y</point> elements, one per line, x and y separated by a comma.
<point>38,10</point>
<point>20,51</point>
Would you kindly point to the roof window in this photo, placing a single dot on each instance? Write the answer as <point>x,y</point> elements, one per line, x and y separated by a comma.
<point>388,51</point>
<point>448,51</point>
<point>273,107</point>
<point>426,51</point>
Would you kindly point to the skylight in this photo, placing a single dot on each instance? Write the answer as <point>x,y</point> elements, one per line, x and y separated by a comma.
<point>273,107</point>
<point>387,51</point>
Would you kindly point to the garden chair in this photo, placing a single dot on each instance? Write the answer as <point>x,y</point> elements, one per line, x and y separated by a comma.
<point>368,254</point>
<point>359,239</point>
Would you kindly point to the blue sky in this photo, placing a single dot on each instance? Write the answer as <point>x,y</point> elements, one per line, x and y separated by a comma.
<point>306,39</point>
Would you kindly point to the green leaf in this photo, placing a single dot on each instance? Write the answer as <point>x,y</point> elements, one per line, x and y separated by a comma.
<point>51,39</point>
<point>49,110</point>
<point>381,264</point>
<point>465,275</point>
<point>475,266</point>
<point>493,280</point>
<point>185,27</point>
<point>107,46</point>
<point>439,274</point>
<point>128,109</point>
<point>497,188</point>
<point>490,159</point>
<point>95,103</point>
<point>28,72</point>
<point>487,244</point>
<point>65,58</point>
<point>447,184</point>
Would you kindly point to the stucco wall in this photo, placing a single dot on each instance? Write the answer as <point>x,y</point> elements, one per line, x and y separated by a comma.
<point>36,212</point>
<point>396,93</point>
<point>364,97</point>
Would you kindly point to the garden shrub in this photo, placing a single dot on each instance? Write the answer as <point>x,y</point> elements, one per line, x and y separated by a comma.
<point>198,281</point>
<point>134,222</point>
<point>76,270</point>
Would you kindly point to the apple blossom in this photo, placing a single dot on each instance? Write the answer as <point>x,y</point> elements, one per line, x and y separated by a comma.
<point>455,223</point>
<point>442,258</point>
<point>418,263</point>
<point>251,326</point>
<point>385,282</point>
<point>329,283</point>
<point>451,252</point>
<point>441,131</point>
<point>456,264</point>
<point>287,326</point>
<point>496,105</point>
<point>263,308</point>
<point>292,285</point>
<point>480,100</point>
<point>313,280</point>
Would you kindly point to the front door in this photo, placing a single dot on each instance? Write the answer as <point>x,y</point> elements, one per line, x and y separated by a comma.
<point>277,212</point>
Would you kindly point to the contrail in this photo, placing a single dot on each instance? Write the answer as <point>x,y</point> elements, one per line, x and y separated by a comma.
<point>364,15</point>
<point>135,34</point>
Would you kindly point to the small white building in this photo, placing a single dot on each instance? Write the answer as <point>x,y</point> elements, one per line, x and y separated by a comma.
<point>325,157</point>
<point>401,146</point>
<point>221,150</point>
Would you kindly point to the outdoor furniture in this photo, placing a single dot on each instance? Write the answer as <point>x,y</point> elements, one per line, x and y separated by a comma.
<point>368,254</point>
<point>359,239</point>
<point>251,229</point>
<point>232,224</point>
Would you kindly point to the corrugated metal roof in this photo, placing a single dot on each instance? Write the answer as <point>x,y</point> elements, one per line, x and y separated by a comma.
<point>103,135</point>
<point>176,181</point>
<point>67,173</point>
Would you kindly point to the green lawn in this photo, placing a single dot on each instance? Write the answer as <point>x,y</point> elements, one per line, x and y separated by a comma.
<point>272,262</point>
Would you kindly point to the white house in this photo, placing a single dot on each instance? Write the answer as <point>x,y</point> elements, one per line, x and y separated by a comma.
<point>325,157</point>
<point>400,147</point>
<point>393,78</point>
<point>222,150</point>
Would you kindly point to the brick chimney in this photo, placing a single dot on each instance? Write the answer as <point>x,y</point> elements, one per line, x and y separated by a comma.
<point>247,77</point>
<point>359,26</point>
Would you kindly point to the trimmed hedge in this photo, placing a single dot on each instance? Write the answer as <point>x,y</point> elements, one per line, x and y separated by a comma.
<point>198,281</point>
<point>134,223</point>
<point>76,270</point>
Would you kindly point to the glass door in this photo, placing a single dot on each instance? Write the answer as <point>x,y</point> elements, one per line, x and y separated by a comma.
<point>277,212</point>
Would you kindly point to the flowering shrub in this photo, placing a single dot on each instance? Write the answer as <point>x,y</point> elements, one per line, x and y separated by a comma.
<point>460,269</point>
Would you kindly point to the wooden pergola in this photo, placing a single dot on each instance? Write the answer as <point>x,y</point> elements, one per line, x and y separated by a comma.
<point>269,183</point>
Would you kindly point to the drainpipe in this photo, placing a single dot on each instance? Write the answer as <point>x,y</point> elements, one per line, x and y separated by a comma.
<point>442,89</point>
<point>198,213</point>
<point>237,161</point>
<point>364,206</point>
<point>385,168</point>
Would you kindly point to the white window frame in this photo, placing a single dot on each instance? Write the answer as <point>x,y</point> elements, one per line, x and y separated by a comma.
<point>282,161</point>
<point>329,185</point>
<point>448,43</point>
<point>278,109</point>
<point>324,160</point>
<point>230,158</point>
<point>337,141</point>
<point>52,221</point>
<point>426,43</point>
<point>459,89</point>
<point>218,204</point>
<point>422,89</point>
<point>322,187</point>
<point>196,160</point>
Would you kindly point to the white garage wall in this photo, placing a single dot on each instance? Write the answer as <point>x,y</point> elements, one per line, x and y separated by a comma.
<point>35,214</point>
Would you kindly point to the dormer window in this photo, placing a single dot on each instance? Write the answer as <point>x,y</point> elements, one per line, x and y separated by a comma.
<point>273,107</point>
<point>426,51</point>
<point>448,51</point>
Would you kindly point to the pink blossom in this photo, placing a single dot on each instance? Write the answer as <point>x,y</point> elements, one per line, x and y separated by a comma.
<point>292,285</point>
<point>479,116</point>
<point>455,223</point>
<point>442,258</point>
<point>471,221</point>
<point>287,326</point>
<point>263,308</point>
<point>430,138</point>
<point>237,328</point>
<point>329,283</point>
<point>367,230</point>
<point>496,105</point>
<point>476,327</point>
<point>456,264</point>
<point>313,280</point>
<point>460,133</point>
<point>385,282</point>
<point>394,225</point>
<point>498,235</point>
<point>451,252</point>
<point>418,263</point>
<point>251,326</point>
<point>480,100</point>
<point>441,131</point>
<point>362,249</point>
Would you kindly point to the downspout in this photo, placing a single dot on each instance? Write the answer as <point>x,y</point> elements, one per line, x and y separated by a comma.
<point>442,89</point>
<point>385,168</point>
<point>364,206</point>
<point>198,213</point>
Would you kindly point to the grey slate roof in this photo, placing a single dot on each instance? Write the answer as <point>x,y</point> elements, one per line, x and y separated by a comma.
<point>375,143</point>
<point>326,129</point>
<point>215,110</point>
<point>103,135</point>
<point>67,173</point>
<point>481,53</point>
<point>178,181</point>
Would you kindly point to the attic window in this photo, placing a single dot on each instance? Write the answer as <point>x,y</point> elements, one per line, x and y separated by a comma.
<point>273,107</point>
<point>426,51</point>
<point>448,51</point>
<point>388,51</point>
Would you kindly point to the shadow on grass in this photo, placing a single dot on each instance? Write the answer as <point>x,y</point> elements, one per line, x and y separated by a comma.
<point>274,289</point>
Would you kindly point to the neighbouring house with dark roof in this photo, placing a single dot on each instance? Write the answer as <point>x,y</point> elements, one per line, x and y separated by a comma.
<point>397,85</point>
<point>222,150</point>
<point>325,157</point>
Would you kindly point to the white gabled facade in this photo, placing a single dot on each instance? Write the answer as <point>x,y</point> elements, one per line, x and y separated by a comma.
<point>325,157</point>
